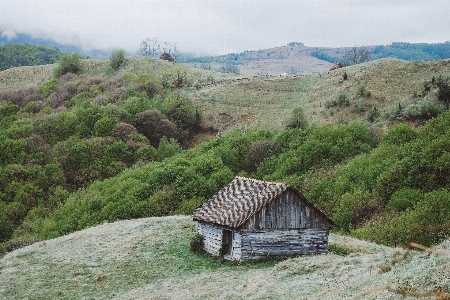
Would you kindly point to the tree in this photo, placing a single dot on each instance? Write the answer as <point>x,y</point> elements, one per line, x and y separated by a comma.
<point>154,48</point>
<point>69,63</point>
<point>443,91</point>
<point>297,119</point>
<point>116,59</point>
<point>154,125</point>
<point>356,55</point>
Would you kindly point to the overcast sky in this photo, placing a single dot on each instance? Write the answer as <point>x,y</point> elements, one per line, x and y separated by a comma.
<point>219,27</point>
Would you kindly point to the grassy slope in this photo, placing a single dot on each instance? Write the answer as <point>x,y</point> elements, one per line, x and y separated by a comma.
<point>149,259</point>
<point>262,102</point>
<point>237,102</point>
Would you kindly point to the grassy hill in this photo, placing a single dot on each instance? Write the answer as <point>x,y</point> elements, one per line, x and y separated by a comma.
<point>77,151</point>
<point>265,102</point>
<point>230,101</point>
<point>150,259</point>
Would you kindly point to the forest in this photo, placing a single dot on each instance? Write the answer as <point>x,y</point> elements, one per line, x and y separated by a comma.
<point>27,55</point>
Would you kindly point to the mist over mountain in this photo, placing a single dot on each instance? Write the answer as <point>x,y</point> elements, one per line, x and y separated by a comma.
<point>8,38</point>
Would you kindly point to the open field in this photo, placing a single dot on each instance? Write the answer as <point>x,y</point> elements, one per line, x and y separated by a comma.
<point>149,259</point>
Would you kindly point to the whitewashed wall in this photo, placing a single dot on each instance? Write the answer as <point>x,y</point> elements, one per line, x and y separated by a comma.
<point>212,239</point>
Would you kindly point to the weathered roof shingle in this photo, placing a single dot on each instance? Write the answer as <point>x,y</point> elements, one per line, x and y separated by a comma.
<point>238,201</point>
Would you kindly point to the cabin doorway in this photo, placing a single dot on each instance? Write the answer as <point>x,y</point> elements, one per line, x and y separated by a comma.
<point>227,242</point>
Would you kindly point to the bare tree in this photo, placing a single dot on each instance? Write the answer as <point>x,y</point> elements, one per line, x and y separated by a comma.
<point>154,48</point>
<point>356,55</point>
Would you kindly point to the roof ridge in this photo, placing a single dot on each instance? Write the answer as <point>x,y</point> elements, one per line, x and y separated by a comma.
<point>261,181</point>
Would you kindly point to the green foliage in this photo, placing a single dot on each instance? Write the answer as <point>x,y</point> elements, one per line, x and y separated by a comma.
<point>6,228</point>
<point>182,113</point>
<point>163,202</point>
<point>148,83</point>
<point>321,146</point>
<point>48,86</point>
<point>399,135</point>
<point>403,199</point>
<point>421,224</point>
<point>69,63</point>
<point>116,59</point>
<point>147,154</point>
<point>412,51</point>
<point>8,109</point>
<point>443,90</point>
<point>187,207</point>
<point>167,148</point>
<point>27,55</point>
<point>344,99</point>
<point>362,90</point>
<point>12,151</point>
<point>324,56</point>
<point>297,119</point>
<point>104,126</point>
<point>196,244</point>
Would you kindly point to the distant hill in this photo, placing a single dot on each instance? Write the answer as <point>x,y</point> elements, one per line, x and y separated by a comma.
<point>26,39</point>
<point>299,59</point>
<point>27,55</point>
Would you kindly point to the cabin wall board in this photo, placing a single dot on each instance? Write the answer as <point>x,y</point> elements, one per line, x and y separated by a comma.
<point>287,211</point>
<point>258,244</point>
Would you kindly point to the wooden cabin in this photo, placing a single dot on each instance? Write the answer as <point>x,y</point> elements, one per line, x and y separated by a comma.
<point>251,219</point>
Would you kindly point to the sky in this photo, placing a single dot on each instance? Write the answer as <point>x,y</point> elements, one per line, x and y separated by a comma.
<point>218,27</point>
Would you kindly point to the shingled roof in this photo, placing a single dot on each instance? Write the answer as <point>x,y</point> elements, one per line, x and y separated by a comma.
<point>238,201</point>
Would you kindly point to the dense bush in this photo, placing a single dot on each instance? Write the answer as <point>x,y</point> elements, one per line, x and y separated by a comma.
<point>154,125</point>
<point>116,59</point>
<point>69,63</point>
<point>297,119</point>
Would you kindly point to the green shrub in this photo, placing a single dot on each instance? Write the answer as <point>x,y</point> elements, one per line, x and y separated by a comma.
<point>297,119</point>
<point>104,126</point>
<point>404,199</point>
<point>400,134</point>
<point>148,83</point>
<point>343,99</point>
<point>196,244</point>
<point>116,59</point>
<point>260,151</point>
<point>362,90</point>
<point>443,90</point>
<point>49,86</point>
<point>187,207</point>
<point>167,148</point>
<point>136,104</point>
<point>163,202</point>
<point>147,154</point>
<point>69,63</point>
<point>6,228</point>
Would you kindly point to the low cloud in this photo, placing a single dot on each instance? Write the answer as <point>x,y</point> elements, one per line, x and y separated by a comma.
<point>218,27</point>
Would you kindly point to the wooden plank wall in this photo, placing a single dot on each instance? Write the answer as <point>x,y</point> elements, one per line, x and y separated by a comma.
<point>288,211</point>
<point>260,244</point>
